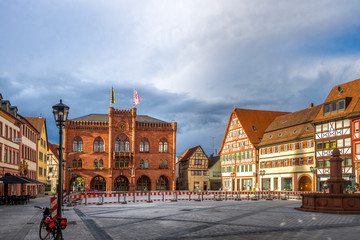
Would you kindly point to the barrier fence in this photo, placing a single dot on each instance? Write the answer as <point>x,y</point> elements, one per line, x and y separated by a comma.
<point>149,197</point>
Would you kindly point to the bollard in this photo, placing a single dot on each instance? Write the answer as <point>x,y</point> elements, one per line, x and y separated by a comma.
<point>189,196</point>
<point>175,196</point>
<point>85,199</point>
<point>124,202</point>
<point>149,198</point>
<point>237,197</point>
<point>248,195</point>
<point>163,197</point>
<point>225,196</point>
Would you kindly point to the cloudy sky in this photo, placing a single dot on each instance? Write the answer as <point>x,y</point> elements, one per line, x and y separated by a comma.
<point>191,61</point>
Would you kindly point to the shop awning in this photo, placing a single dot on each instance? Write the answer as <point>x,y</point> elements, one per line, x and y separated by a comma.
<point>32,180</point>
<point>13,179</point>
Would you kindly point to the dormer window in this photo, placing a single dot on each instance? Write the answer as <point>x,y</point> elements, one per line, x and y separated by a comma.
<point>336,106</point>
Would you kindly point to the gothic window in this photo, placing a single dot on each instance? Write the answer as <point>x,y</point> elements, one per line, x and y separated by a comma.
<point>144,145</point>
<point>74,163</point>
<point>117,163</point>
<point>123,142</point>
<point>98,183</point>
<point>147,146</point>
<point>161,164</point>
<point>162,183</point>
<point>117,149</point>
<point>146,163</point>
<point>141,146</point>
<point>121,183</point>
<point>143,184</point>
<point>163,146</point>
<point>96,163</point>
<point>127,146</point>
<point>98,145</point>
<point>101,163</point>
<point>79,165</point>
<point>165,163</point>
<point>74,146</point>
<point>141,163</point>
<point>101,146</point>
<point>77,145</point>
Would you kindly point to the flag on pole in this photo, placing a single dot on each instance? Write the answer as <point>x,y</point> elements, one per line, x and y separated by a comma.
<point>112,100</point>
<point>136,98</point>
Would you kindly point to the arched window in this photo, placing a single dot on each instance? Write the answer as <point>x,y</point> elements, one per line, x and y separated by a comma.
<point>74,146</point>
<point>123,142</point>
<point>117,149</point>
<point>98,145</point>
<point>98,183</point>
<point>146,163</point>
<point>79,165</point>
<point>162,183</point>
<point>80,146</point>
<point>147,146</point>
<point>165,163</point>
<point>77,144</point>
<point>163,146</point>
<point>127,146</point>
<point>101,163</point>
<point>117,163</point>
<point>96,163</point>
<point>143,184</point>
<point>141,146</point>
<point>121,183</point>
<point>161,164</point>
<point>141,163</point>
<point>101,147</point>
<point>74,163</point>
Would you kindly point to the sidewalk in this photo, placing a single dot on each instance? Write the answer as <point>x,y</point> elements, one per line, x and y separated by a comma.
<point>22,222</point>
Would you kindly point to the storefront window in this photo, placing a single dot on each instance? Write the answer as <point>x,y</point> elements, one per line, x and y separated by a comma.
<point>266,184</point>
<point>286,184</point>
<point>247,184</point>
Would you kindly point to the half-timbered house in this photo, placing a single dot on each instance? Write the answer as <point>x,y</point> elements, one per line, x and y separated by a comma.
<point>333,129</point>
<point>238,152</point>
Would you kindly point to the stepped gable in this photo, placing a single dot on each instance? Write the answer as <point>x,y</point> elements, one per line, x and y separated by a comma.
<point>349,90</point>
<point>291,126</point>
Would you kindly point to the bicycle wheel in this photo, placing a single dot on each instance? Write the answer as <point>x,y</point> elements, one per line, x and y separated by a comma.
<point>58,233</point>
<point>43,234</point>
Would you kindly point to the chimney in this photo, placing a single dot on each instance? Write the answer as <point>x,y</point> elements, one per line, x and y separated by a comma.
<point>311,105</point>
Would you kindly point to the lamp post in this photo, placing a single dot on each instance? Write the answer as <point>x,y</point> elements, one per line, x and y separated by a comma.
<point>314,171</point>
<point>69,175</point>
<point>60,112</point>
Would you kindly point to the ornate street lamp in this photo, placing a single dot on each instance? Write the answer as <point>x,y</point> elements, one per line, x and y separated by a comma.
<point>314,171</point>
<point>60,112</point>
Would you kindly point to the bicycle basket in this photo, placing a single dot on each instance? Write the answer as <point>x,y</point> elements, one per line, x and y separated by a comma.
<point>62,222</point>
<point>50,225</point>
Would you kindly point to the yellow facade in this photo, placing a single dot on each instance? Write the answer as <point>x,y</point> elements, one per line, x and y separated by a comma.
<point>42,149</point>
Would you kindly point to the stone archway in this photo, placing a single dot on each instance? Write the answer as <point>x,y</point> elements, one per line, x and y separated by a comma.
<point>143,184</point>
<point>162,183</point>
<point>77,184</point>
<point>305,184</point>
<point>98,183</point>
<point>121,183</point>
